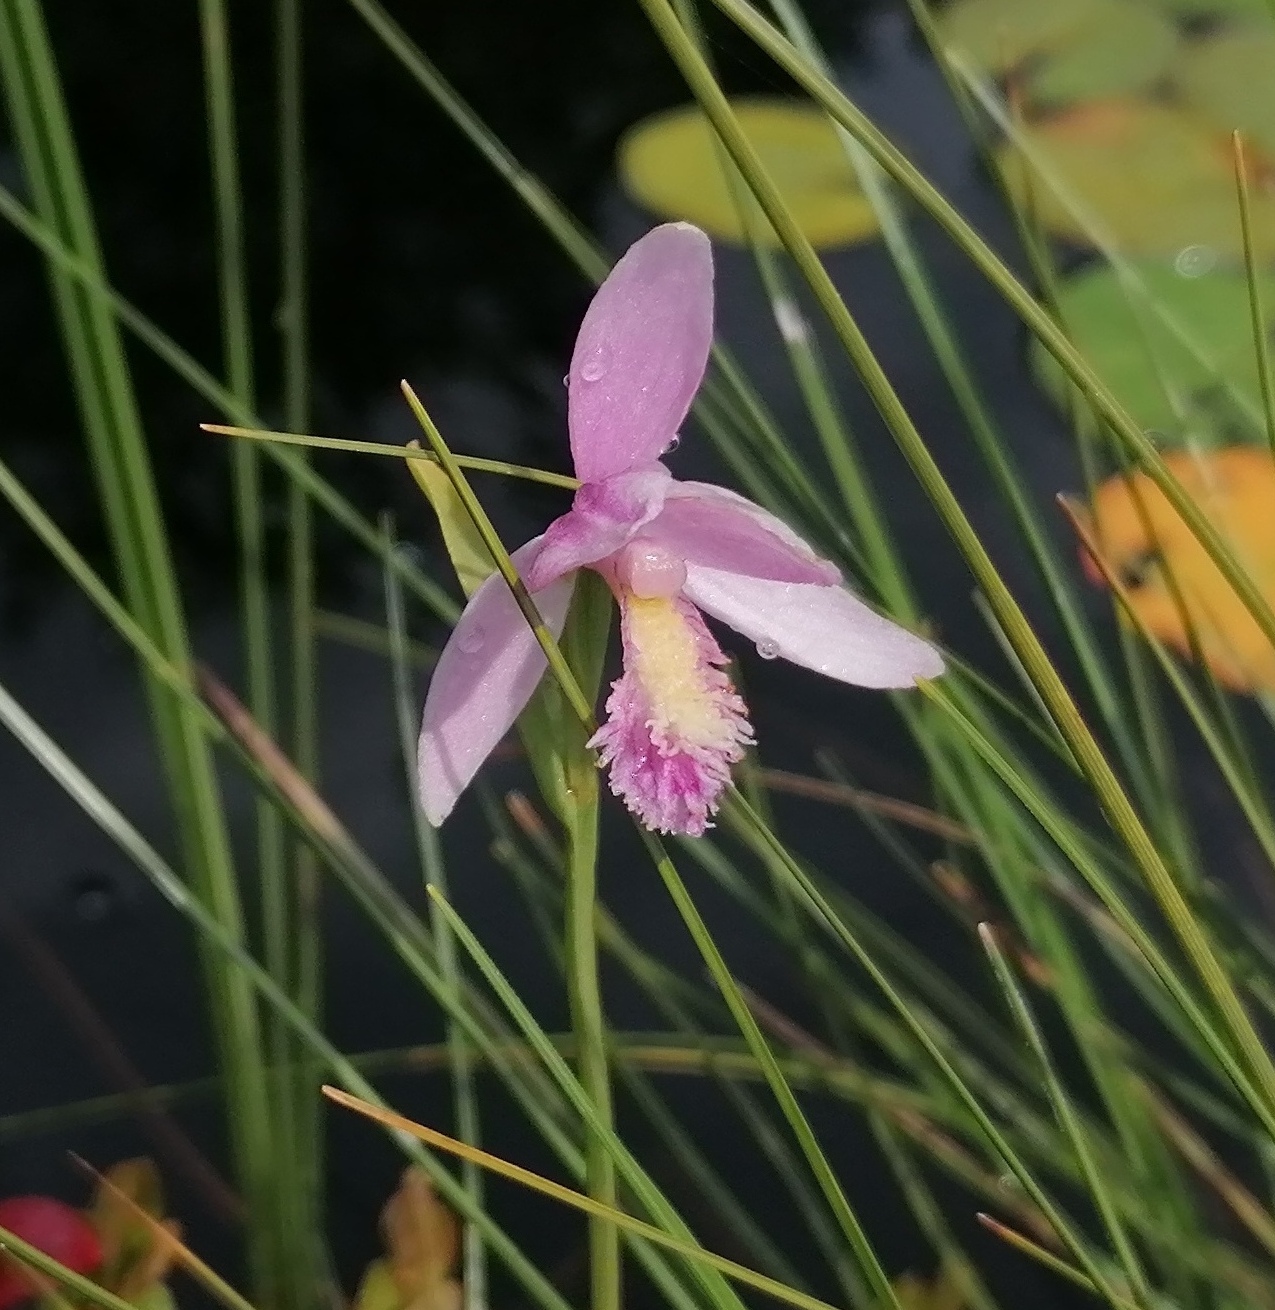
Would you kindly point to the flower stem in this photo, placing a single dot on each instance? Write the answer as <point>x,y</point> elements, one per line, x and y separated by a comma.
<point>587,1020</point>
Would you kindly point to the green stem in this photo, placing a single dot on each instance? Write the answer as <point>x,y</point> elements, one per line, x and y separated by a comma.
<point>587,1018</point>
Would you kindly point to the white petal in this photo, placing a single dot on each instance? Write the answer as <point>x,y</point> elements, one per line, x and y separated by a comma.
<point>819,627</point>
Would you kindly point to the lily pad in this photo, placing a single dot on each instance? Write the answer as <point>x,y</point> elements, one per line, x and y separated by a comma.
<point>671,164</point>
<point>999,35</point>
<point>1150,179</point>
<point>1138,355</point>
<point>1229,79</point>
<point>1174,588</point>
<point>1065,52</point>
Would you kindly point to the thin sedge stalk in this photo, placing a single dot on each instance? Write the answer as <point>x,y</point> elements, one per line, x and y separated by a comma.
<point>433,868</point>
<point>1070,1124</point>
<point>1257,311</point>
<point>294,340</point>
<point>270,1234</point>
<point>1186,926</point>
<point>409,453</point>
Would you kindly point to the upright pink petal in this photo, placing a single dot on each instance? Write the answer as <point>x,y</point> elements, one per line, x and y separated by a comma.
<point>641,352</point>
<point>483,679</point>
<point>711,526</point>
<point>822,628</point>
<point>601,519</point>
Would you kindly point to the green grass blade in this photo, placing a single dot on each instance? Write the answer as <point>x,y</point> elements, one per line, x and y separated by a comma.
<point>1070,1123</point>
<point>464,1090</point>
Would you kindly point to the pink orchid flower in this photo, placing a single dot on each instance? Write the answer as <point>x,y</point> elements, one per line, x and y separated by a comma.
<point>671,552</point>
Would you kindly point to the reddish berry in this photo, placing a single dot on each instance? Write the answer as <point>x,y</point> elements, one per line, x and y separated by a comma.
<point>52,1227</point>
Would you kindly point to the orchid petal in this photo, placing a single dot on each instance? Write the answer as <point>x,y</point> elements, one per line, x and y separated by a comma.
<point>483,679</point>
<point>715,528</point>
<point>603,516</point>
<point>641,352</point>
<point>822,628</point>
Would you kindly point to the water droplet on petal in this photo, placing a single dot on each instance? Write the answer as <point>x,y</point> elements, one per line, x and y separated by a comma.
<point>1195,261</point>
<point>768,650</point>
<point>471,639</point>
<point>673,445</point>
<point>566,379</point>
<point>593,368</point>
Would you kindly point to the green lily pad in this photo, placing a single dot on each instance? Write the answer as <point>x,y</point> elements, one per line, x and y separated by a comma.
<point>1150,179</point>
<point>1138,355</point>
<point>671,164</point>
<point>999,35</point>
<point>1229,79</point>
<point>1065,52</point>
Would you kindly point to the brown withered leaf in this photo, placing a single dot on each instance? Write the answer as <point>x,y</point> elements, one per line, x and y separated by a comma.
<point>422,1242</point>
<point>136,1255</point>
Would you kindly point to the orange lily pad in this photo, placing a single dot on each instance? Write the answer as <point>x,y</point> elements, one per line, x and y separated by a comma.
<point>671,163</point>
<point>1151,179</point>
<point>1146,543</point>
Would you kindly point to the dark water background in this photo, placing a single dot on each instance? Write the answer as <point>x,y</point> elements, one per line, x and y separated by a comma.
<point>424,266</point>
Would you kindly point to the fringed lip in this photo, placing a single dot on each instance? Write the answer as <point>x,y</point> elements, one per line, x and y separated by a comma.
<point>675,724</point>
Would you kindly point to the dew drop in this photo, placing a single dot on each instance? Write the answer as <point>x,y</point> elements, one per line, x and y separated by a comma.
<point>566,379</point>
<point>672,445</point>
<point>1195,261</point>
<point>595,366</point>
<point>471,640</point>
<point>768,650</point>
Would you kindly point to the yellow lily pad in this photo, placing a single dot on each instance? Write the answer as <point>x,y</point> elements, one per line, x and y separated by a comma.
<point>1139,356</point>
<point>1235,487</point>
<point>1061,53</point>
<point>671,163</point>
<point>1151,179</point>
<point>1229,79</point>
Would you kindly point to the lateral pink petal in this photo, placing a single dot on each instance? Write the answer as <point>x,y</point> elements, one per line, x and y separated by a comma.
<point>822,628</point>
<point>484,677</point>
<point>714,527</point>
<point>641,352</point>
<point>602,517</point>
